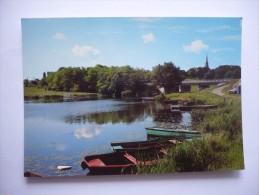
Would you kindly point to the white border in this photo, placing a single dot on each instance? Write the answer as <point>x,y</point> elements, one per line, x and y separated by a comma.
<point>11,100</point>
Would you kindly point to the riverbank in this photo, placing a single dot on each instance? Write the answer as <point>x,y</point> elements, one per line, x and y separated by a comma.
<point>221,147</point>
<point>41,92</point>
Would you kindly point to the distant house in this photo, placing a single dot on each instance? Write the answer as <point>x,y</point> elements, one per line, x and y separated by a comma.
<point>236,88</point>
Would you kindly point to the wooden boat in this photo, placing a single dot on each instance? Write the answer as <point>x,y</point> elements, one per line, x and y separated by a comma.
<point>108,164</point>
<point>119,162</point>
<point>190,107</point>
<point>185,133</point>
<point>154,145</point>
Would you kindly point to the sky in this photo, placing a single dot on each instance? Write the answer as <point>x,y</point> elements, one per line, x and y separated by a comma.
<point>139,42</point>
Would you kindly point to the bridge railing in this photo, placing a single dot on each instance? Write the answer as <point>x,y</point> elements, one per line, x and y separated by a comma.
<point>214,81</point>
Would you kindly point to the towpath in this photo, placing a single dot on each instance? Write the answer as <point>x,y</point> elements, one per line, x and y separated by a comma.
<point>218,91</point>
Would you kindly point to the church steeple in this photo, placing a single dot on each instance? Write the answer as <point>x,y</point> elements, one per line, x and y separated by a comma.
<point>207,62</point>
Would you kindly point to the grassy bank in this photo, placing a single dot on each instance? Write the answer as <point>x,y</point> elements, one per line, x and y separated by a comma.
<point>221,148</point>
<point>35,92</point>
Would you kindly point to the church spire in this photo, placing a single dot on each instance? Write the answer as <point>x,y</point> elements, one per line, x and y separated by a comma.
<point>207,62</point>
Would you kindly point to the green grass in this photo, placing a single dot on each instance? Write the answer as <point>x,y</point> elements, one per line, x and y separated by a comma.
<point>221,147</point>
<point>35,92</point>
<point>213,153</point>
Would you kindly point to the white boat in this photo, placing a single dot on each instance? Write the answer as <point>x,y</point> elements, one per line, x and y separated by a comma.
<point>62,168</point>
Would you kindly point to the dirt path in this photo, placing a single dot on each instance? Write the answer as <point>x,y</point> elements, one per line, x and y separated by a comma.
<point>218,91</point>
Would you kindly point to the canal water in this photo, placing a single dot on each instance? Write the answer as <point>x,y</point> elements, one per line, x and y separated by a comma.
<point>61,133</point>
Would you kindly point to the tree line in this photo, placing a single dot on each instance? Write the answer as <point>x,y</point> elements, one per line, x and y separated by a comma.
<point>127,81</point>
<point>221,72</point>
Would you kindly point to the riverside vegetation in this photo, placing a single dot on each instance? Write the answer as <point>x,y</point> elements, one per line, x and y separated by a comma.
<point>35,92</point>
<point>221,147</point>
<point>123,81</point>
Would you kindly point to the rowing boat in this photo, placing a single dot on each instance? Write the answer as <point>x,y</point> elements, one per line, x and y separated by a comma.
<point>143,145</point>
<point>120,162</point>
<point>185,133</point>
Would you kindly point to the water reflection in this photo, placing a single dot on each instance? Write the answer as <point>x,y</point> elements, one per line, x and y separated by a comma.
<point>126,113</point>
<point>61,133</point>
<point>169,119</point>
<point>56,99</point>
<point>87,132</point>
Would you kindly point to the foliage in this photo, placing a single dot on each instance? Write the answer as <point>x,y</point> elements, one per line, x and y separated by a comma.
<point>99,79</point>
<point>168,76</point>
<point>221,72</point>
<point>112,81</point>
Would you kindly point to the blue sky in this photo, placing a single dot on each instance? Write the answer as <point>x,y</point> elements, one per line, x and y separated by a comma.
<point>139,42</point>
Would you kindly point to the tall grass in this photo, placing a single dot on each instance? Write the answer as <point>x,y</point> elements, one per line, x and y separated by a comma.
<point>213,153</point>
<point>221,147</point>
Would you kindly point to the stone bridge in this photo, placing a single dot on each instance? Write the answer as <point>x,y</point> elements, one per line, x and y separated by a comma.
<point>186,84</point>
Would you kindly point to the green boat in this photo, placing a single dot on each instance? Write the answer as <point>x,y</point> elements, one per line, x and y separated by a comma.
<point>165,132</point>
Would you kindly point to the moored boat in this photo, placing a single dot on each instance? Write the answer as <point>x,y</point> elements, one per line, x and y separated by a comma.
<point>185,133</point>
<point>120,162</point>
<point>108,164</point>
<point>157,144</point>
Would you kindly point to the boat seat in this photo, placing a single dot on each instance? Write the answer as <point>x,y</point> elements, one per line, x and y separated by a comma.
<point>117,147</point>
<point>130,158</point>
<point>96,162</point>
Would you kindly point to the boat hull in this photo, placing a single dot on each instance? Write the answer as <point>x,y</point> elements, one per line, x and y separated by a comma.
<point>143,146</point>
<point>172,133</point>
<point>108,164</point>
<point>120,162</point>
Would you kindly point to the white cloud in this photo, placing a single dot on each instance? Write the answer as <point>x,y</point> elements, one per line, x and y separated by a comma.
<point>59,36</point>
<point>86,132</point>
<point>84,50</point>
<point>195,46</point>
<point>149,38</point>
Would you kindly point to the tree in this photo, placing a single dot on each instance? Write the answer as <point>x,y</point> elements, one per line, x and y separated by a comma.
<point>210,74</point>
<point>43,81</point>
<point>228,74</point>
<point>91,79</point>
<point>236,73</point>
<point>167,76</point>
<point>117,84</point>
